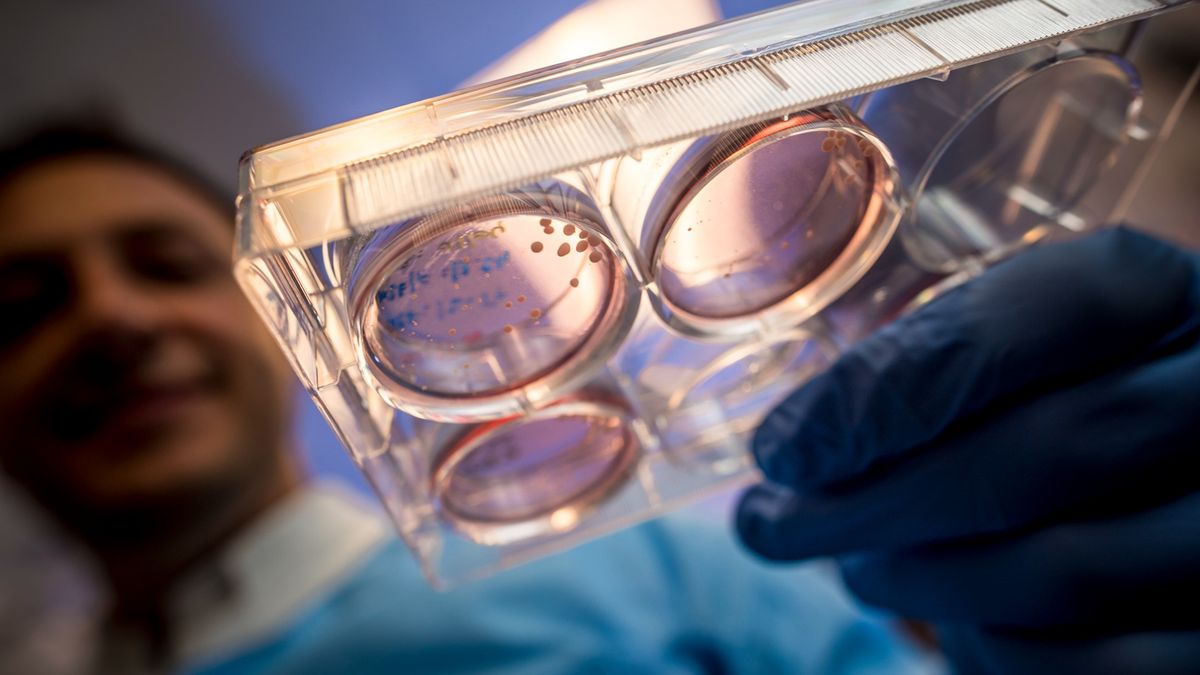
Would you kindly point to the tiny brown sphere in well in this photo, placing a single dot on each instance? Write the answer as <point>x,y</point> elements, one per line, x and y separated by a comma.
<point>595,256</point>
<point>568,229</point>
<point>535,314</point>
<point>581,246</point>
<point>563,249</point>
<point>536,247</point>
<point>574,283</point>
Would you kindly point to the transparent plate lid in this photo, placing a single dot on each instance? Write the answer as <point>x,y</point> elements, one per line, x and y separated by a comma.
<point>426,155</point>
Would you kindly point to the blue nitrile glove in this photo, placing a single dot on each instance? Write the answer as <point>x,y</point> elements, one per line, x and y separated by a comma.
<point>1018,461</point>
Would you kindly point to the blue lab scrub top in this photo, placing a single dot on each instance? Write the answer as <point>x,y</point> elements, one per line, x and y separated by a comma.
<point>664,597</point>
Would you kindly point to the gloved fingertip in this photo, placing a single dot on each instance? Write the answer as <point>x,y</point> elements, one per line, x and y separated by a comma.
<point>770,439</point>
<point>790,445</point>
<point>761,521</point>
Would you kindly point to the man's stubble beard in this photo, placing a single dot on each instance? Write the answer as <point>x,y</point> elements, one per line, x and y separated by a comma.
<point>189,514</point>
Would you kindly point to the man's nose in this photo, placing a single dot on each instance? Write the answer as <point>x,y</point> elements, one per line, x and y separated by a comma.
<point>112,308</point>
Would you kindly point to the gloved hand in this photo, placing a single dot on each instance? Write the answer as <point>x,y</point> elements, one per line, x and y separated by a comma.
<point>1018,461</point>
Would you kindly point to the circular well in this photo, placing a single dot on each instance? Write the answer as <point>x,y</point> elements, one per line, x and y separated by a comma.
<point>781,224</point>
<point>512,480</point>
<point>1011,170</point>
<point>709,418</point>
<point>456,319</point>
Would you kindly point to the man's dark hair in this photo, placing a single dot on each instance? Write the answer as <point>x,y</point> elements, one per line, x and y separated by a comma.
<point>73,139</point>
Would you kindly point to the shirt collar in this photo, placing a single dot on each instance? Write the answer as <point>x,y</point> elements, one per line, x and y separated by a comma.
<point>292,556</point>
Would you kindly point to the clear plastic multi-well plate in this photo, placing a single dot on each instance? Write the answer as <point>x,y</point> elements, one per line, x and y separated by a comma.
<point>543,308</point>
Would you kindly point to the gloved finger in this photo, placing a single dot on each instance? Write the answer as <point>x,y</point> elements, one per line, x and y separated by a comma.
<point>1051,314</point>
<point>1137,572</point>
<point>1122,441</point>
<point>982,651</point>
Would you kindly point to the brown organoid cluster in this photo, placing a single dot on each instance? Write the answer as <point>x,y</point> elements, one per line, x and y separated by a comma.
<point>588,244</point>
<point>586,241</point>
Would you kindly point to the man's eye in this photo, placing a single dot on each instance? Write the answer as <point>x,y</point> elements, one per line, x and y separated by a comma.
<point>171,258</point>
<point>30,294</point>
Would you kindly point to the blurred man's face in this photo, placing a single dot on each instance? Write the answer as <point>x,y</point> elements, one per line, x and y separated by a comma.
<point>134,375</point>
